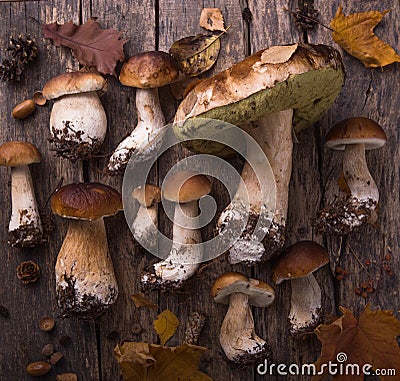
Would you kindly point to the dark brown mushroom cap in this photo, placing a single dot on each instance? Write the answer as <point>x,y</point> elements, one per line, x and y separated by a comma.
<point>299,260</point>
<point>15,154</point>
<point>148,195</point>
<point>357,130</point>
<point>149,70</point>
<point>86,201</point>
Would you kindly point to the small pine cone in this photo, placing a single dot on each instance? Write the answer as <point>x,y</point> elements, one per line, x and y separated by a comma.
<point>28,272</point>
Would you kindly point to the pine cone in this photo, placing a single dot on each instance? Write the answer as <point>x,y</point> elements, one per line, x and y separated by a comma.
<point>28,272</point>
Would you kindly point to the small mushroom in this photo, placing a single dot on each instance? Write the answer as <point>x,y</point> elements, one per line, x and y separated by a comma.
<point>146,72</point>
<point>184,188</point>
<point>354,136</point>
<point>238,337</point>
<point>298,263</point>
<point>25,227</point>
<point>85,279</point>
<point>78,122</point>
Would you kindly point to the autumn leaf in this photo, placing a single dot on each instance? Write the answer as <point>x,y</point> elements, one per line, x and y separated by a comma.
<point>369,340</point>
<point>355,34</point>
<point>150,362</point>
<point>212,19</point>
<point>91,45</point>
<point>166,325</point>
<point>141,301</point>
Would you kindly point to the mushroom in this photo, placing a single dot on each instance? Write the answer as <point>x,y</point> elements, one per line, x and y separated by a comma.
<point>183,188</point>
<point>237,337</point>
<point>147,72</point>
<point>354,136</point>
<point>25,228</point>
<point>85,280</point>
<point>269,94</point>
<point>78,122</point>
<point>297,263</point>
<point>144,226</point>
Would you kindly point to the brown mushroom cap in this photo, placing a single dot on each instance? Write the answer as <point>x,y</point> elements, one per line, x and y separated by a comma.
<point>356,130</point>
<point>299,260</point>
<point>148,195</point>
<point>86,201</point>
<point>15,154</point>
<point>260,293</point>
<point>149,70</point>
<point>73,83</point>
<point>186,186</point>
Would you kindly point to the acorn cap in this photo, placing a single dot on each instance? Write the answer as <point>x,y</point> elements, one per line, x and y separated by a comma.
<point>186,186</point>
<point>148,195</point>
<point>73,83</point>
<point>149,70</point>
<point>356,130</point>
<point>15,154</point>
<point>260,293</point>
<point>299,260</point>
<point>86,201</point>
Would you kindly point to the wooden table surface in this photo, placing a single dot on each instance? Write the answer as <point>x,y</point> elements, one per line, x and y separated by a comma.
<point>150,25</point>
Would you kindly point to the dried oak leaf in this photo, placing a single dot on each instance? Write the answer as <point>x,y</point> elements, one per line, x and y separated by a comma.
<point>141,301</point>
<point>212,19</point>
<point>91,45</point>
<point>355,34</point>
<point>369,340</point>
<point>149,362</point>
<point>166,325</point>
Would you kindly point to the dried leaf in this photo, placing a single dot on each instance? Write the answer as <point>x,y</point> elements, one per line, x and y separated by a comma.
<point>166,325</point>
<point>212,19</point>
<point>141,301</point>
<point>369,340</point>
<point>196,54</point>
<point>91,45</point>
<point>150,362</point>
<point>355,34</point>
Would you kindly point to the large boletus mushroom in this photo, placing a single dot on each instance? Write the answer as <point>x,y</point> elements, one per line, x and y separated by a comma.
<point>78,122</point>
<point>85,280</point>
<point>298,263</point>
<point>237,337</point>
<point>270,94</point>
<point>25,227</point>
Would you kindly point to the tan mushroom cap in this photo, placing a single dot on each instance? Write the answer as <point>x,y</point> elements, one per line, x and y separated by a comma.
<point>299,260</point>
<point>148,195</point>
<point>186,186</point>
<point>15,154</point>
<point>260,293</point>
<point>86,201</point>
<point>149,70</point>
<point>357,130</point>
<point>73,83</point>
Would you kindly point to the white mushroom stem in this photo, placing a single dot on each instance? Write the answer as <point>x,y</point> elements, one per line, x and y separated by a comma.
<point>25,226</point>
<point>305,305</point>
<point>144,226</point>
<point>237,337</point>
<point>85,279</point>
<point>139,142</point>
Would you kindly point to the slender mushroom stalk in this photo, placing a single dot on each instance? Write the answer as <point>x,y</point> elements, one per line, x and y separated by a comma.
<point>147,72</point>
<point>354,136</point>
<point>78,122</point>
<point>297,264</point>
<point>237,336</point>
<point>25,228</point>
<point>85,281</point>
<point>269,94</point>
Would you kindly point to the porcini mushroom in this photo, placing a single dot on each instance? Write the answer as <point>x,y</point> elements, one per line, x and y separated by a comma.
<point>298,263</point>
<point>238,337</point>
<point>184,188</point>
<point>85,279</point>
<point>261,94</point>
<point>354,136</point>
<point>147,72</point>
<point>25,228</point>
<point>78,122</point>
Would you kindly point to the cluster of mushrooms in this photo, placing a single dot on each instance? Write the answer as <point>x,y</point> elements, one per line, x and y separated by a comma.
<point>270,95</point>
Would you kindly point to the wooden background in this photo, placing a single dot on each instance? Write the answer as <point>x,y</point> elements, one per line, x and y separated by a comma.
<point>156,24</point>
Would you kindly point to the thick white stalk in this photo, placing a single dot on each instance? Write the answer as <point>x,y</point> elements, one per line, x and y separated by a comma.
<point>145,225</point>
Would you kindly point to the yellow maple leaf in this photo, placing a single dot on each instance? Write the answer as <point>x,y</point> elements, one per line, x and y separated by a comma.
<point>355,34</point>
<point>166,325</point>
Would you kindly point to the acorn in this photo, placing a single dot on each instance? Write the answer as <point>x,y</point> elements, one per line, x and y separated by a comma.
<point>47,324</point>
<point>38,368</point>
<point>48,350</point>
<point>24,109</point>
